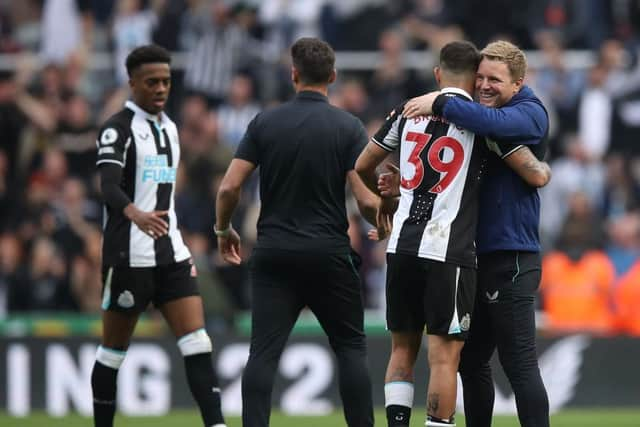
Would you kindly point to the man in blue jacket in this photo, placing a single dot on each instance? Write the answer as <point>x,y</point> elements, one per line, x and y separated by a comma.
<point>509,265</point>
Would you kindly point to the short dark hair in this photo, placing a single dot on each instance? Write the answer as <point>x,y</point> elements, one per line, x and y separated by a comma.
<point>460,57</point>
<point>147,54</point>
<point>314,59</point>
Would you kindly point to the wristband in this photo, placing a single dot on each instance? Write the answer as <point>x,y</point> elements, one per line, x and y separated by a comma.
<point>222,233</point>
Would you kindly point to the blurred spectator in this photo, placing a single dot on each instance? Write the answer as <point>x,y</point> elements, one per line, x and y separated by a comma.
<point>18,110</point>
<point>623,247</point>
<point>621,191</point>
<point>132,27</point>
<point>626,298</point>
<point>594,114</point>
<point>168,25</point>
<point>45,287</point>
<point>86,273</point>
<point>76,135</point>
<point>577,280</point>
<point>193,24</point>
<point>11,270</point>
<point>222,51</point>
<point>560,84</point>
<point>288,20</point>
<point>67,27</point>
<point>576,293</point>
<point>352,96</point>
<point>237,111</point>
<point>391,83</point>
<point>576,172</point>
<point>570,19</point>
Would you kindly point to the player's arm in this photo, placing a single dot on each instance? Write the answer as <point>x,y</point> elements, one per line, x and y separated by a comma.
<point>367,162</point>
<point>226,201</point>
<point>367,201</point>
<point>150,223</point>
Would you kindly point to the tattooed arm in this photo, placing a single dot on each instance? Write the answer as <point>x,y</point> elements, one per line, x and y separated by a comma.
<point>524,163</point>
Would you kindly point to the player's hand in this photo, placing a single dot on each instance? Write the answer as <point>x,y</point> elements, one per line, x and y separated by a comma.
<point>151,223</point>
<point>420,106</point>
<point>384,219</point>
<point>229,247</point>
<point>389,182</point>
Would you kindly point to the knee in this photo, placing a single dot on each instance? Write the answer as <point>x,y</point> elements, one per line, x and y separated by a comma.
<point>195,342</point>
<point>446,355</point>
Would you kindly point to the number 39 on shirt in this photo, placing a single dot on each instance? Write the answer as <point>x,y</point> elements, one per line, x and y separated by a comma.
<point>448,170</point>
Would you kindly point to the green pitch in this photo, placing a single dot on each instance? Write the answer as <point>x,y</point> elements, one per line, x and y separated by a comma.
<point>579,418</point>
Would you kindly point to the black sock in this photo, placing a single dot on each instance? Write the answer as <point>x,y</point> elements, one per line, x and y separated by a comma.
<point>103,384</point>
<point>398,415</point>
<point>203,383</point>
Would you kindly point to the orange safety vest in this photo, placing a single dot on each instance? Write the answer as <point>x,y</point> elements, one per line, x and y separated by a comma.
<point>626,297</point>
<point>577,294</point>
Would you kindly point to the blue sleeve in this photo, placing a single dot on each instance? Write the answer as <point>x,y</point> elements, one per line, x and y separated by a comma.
<point>525,122</point>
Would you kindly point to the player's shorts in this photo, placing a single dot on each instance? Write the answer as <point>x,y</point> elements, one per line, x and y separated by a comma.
<point>131,289</point>
<point>423,292</point>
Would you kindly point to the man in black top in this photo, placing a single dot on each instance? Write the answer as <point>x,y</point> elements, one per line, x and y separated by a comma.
<point>306,150</point>
<point>144,257</point>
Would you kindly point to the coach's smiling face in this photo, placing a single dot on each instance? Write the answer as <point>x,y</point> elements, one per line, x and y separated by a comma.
<point>150,85</point>
<point>494,84</point>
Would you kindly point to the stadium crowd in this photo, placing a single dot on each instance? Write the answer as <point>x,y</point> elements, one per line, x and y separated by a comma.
<point>50,228</point>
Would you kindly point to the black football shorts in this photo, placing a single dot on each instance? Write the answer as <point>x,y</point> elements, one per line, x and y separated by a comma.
<point>423,292</point>
<point>131,289</point>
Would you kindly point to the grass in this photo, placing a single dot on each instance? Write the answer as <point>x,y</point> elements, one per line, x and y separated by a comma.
<point>574,418</point>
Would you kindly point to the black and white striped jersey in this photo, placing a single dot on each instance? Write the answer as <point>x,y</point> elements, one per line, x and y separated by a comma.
<point>440,166</point>
<point>148,150</point>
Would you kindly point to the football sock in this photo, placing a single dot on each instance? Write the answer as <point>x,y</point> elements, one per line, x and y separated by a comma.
<point>103,383</point>
<point>398,415</point>
<point>398,397</point>
<point>203,384</point>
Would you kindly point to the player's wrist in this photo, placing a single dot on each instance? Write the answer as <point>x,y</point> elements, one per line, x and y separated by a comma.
<point>222,232</point>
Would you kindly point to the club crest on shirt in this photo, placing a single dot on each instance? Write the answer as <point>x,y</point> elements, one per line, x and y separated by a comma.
<point>109,136</point>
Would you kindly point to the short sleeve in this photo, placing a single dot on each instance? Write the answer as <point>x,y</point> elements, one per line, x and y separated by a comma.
<point>113,141</point>
<point>358,144</point>
<point>248,147</point>
<point>503,149</point>
<point>388,136</point>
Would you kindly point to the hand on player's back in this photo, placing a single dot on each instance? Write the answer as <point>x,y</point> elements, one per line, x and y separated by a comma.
<point>420,105</point>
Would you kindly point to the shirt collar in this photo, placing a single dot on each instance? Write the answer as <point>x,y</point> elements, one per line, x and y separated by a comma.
<point>457,91</point>
<point>311,94</point>
<point>162,121</point>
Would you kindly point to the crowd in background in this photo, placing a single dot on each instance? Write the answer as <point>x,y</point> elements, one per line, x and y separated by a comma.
<point>237,64</point>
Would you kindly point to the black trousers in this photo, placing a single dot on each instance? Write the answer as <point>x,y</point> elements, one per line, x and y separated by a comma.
<point>504,318</point>
<point>283,283</point>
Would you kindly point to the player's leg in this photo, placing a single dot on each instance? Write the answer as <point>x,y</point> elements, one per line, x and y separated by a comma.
<point>475,368</point>
<point>448,303</point>
<point>335,298</point>
<point>178,300</point>
<point>444,357</point>
<point>125,295</point>
<point>515,334</point>
<point>275,306</point>
<point>399,377</point>
<point>405,319</point>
